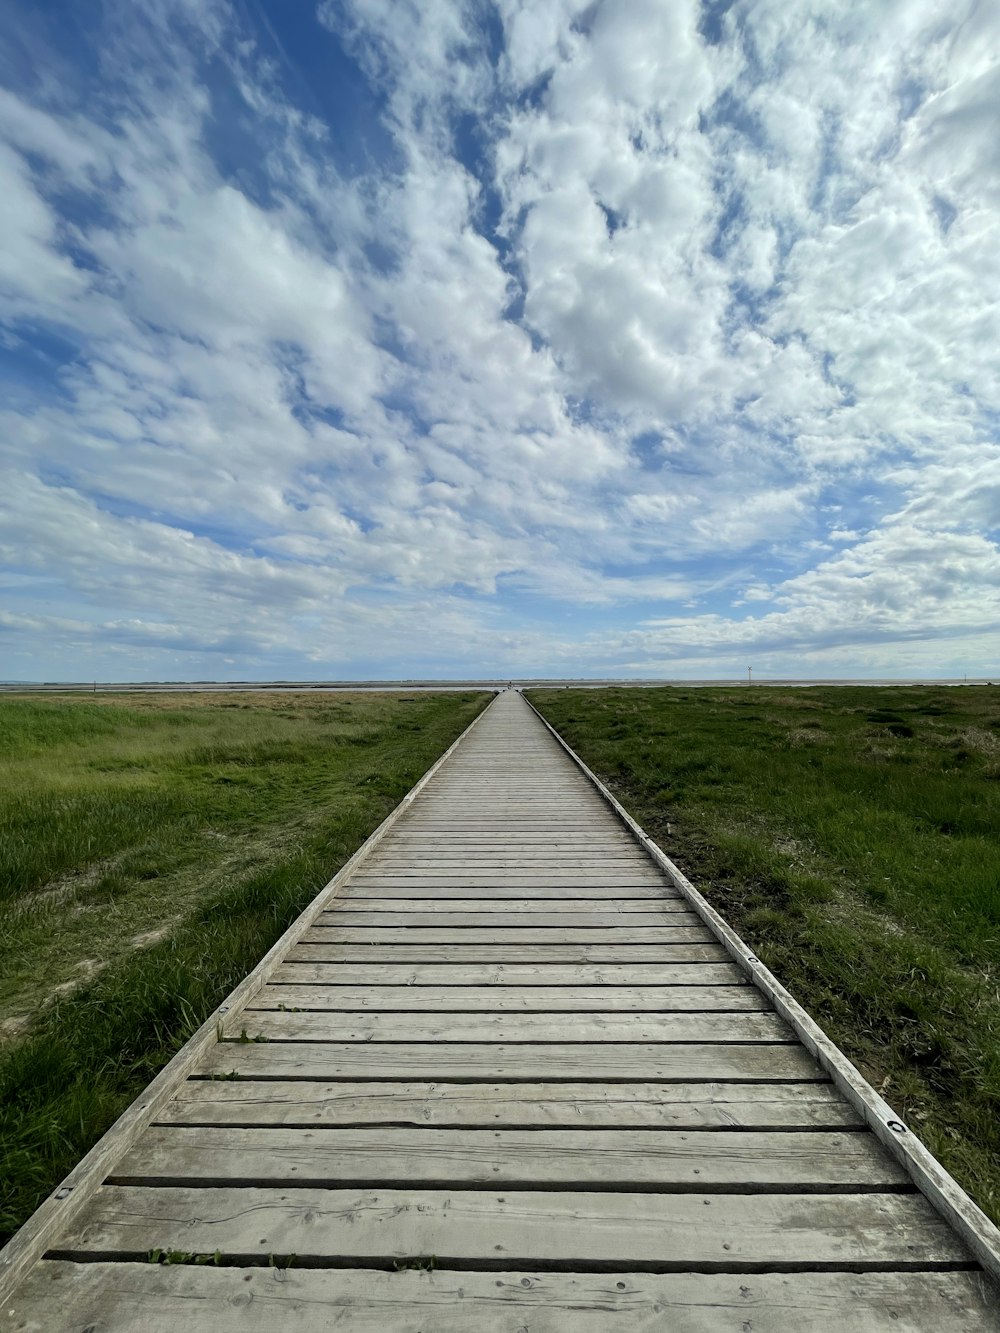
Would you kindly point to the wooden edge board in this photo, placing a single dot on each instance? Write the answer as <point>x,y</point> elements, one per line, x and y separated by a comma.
<point>31,1241</point>
<point>926,1172</point>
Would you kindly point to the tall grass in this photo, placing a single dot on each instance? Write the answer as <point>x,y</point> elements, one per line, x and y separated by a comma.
<point>82,782</point>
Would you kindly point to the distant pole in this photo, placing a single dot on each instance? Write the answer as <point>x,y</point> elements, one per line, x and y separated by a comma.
<point>749,675</point>
<point>95,686</point>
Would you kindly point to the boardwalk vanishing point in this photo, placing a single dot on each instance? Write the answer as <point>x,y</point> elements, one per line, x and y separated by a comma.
<point>508,1072</point>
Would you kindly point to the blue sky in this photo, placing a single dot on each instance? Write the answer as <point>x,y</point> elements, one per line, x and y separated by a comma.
<point>384,338</point>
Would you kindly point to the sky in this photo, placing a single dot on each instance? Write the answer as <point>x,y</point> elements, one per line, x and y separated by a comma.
<point>403,338</point>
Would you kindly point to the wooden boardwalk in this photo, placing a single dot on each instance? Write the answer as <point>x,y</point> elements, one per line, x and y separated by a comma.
<point>505,1078</point>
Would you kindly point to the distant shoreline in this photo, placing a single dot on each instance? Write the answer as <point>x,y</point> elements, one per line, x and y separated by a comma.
<point>395,686</point>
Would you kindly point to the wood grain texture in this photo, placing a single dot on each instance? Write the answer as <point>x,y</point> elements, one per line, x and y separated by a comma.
<point>564,908</point>
<point>512,877</point>
<point>279,1026</point>
<point>734,1232</point>
<point>601,1062</point>
<point>553,1105</point>
<point>695,973</point>
<point>490,895</point>
<point>618,1159</point>
<point>514,934</point>
<point>121,1298</point>
<point>318,946</point>
<point>442,918</point>
<point>513,999</point>
<point>517,862</point>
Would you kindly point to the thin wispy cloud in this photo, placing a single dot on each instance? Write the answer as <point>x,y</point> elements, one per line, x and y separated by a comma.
<point>377,339</point>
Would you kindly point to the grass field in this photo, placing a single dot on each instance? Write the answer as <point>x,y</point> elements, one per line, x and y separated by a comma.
<point>151,850</point>
<point>852,836</point>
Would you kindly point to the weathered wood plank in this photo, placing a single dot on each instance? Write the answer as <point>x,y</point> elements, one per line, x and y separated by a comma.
<point>571,894</point>
<point>496,999</point>
<point>564,908</point>
<point>516,935</point>
<point>636,873</point>
<point>318,947</point>
<point>423,885</point>
<point>549,829</point>
<point>508,974</point>
<point>721,1106</point>
<point>499,886</point>
<point>120,1298</point>
<point>555,838</point>
<point>493,803</point>
<point>598,1062</point>
<point>500,855</point>
<point>279,1026</point>
<point>603,839</point>
<point>558,830</point>
<point>734,1232</point>
<point>508,867</point>
<point>443,918</point>
<point>619,1159</point>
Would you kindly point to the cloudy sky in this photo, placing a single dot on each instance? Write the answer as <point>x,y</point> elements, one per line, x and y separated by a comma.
<point>404,337</point>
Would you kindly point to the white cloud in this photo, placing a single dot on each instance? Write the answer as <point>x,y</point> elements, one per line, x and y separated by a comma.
<point>686,296</point>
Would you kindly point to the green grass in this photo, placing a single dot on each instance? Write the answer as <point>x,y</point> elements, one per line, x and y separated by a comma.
<point>152,852</point>
<point>851,837</point>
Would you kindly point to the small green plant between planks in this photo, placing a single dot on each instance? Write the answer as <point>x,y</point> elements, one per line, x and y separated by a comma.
<point>852,837</point>
<point>152,849</point>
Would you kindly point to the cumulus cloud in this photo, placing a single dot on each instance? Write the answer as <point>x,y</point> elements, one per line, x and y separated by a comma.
<point>609,337</point>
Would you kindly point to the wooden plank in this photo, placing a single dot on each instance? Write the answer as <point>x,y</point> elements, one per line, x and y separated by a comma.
<point>511,834</point>
<point>720,1106</point>
<point>442,917</point>
<point>537,868</point>
<point>554,834</point>
<point>493,803</point>
<point>495,999</point>
<point>600,858</point>
<point>605,840</point>
<point>484,884</point>
<point>618,1159</point>
<point>120,1298</point>
<point>599,1062</point>
<point>565,908</point>
<point>507,974</point>
<point>584,878</point>
<point>489,794</point>
<point>668,1232</point>
<point>363,889</point>
<point>281,1026</point>
<point>318,947</point>
<point>510,866</point>
<point>540,824</point>
<point>552,823</point>
<point>480,884</point>
<point>516,935</point>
